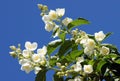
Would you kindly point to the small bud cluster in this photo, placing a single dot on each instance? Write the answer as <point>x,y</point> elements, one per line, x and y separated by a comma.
<point>28,59</point>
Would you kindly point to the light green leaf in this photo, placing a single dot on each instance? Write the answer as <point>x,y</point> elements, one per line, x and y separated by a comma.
<point>62,36</point>
<point>41,76</point>
<point>77,22</point>
<point>52,47</point>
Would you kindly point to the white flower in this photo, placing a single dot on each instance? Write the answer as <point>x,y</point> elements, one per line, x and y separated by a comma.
<point>88,51</point>
<point>66,21</point>
<point>23,61</point>
<point>36,58</point>
<point>80,59</point>
<point>60,11</point>
<point>31,46</point>
<point>78,78</point>
<point>53,42</point>
<point>90,43</point>
<point>77,67</point>
<point>37,69</point>
<point>46,18</point>
<point>26,53</point>
<point>99,36</point>
<point>104,50</point>
<point>88,69</point>
<point>49,26</point>
<point>27,67</point>
<point>53,15</point>
<point>42,51</point>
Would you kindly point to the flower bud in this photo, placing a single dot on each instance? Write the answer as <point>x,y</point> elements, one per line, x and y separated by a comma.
<point>13,54</point>
<point>42,63</point>
<point>13,48</point>
<point>58,64</point>
<point>63,68</point>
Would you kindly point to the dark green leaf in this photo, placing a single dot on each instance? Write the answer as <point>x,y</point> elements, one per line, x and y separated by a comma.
<point>52,47</point>
<point>71,57</point>
<point>41,76</point>
<point>65,47</point>
<point>108,34</point>
<point>57,78</point>
<point>77,22</point>
<point>100,64</point>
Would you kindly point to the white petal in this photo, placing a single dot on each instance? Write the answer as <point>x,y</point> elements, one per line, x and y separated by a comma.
<point>60,11</point>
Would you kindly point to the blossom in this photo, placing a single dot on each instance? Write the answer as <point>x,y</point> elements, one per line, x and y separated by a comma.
<point>99,36</point>
<point>37,69</point>
<point>90,43</point>
<point>36,58</point>
<point>88,69</point>
<point>46,18</point>
<point>42,51</point>
<point>104,50</point>
<point>88,51</point>
<point>60,11</point>
<point>26,53</point>
<point>53,15</point>
<point>77,67</point>
<point>27,67</point>
<point>80,59</point>
<point>66,21</point>
<point>78,78</point>
<point>49,26</point>
<point>23,61</point>
<point>31,46</point>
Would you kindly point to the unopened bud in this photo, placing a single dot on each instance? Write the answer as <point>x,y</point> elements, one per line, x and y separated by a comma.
<point>13,54</point>
<point>40,6</point>
<point>42,63</point>
<point>66,64</point>
<point>77,40</point>
<point>63,68</point>
<point>18,50</point>
<point>13,48</point>
<point>58,64</point>
<point>45,8</point>
<point>58,73</point>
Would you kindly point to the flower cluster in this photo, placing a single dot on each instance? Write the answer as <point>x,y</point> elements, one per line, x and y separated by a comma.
<point>53,21</point>
<point>74,56</point>
<point>28,59</point>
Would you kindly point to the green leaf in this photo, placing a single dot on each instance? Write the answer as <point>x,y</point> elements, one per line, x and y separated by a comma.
<point>57,78</point>
<point>108,34</point>
<point>52,47</point>
<point>52,62</point>
<point>77,22</point>
<point>100,64</point>
<point>71,57</point>
<point>41,76</point>
<point>65,47</point>
<point>62,36</point>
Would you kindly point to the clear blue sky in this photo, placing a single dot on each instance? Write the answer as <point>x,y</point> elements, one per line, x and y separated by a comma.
<point>20,22</point>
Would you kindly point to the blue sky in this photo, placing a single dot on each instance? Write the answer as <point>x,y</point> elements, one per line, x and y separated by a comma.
<point>21,22</point>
